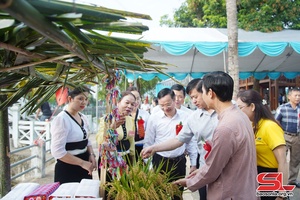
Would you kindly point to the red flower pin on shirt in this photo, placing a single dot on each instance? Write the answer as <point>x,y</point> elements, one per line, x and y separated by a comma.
<point>206,146</point>
<point>141,129</point>
<point>178,128</point>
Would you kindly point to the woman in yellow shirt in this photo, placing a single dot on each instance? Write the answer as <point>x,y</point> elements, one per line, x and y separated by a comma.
<point>123,125</point>
<point>269,136</point>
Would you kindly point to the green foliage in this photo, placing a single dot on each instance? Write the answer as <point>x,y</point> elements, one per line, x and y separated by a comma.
<point>259,15</point>
<point>142,183</point>
<point>146,86</point>
<point>269,15</point>
<point>184,16</point>
<point>164,20</point>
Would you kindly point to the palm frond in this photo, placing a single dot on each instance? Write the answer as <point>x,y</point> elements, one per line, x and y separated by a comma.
<point>53,43</point>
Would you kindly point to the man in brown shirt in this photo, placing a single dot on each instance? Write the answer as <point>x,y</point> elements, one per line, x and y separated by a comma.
<point>230,168</point>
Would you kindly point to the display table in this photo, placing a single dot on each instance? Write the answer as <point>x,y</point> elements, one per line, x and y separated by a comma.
<point>86,189</point>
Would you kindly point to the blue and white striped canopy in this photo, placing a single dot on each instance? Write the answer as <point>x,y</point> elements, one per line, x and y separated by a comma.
<point>196,51</point>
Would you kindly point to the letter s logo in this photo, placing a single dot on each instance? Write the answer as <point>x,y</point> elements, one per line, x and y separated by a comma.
<point>272,181</point>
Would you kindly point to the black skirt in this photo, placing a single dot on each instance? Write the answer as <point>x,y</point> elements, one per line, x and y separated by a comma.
<point>66,173</point>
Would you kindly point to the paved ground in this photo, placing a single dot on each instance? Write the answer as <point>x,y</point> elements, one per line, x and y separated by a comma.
<point>187,195</point>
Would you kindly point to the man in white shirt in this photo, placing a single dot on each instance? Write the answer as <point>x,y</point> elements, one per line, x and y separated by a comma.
<point>154,104</point>
<point>146,106</point>
<point>179,98</point>
<point>162,127</point>
<point>179,92</point>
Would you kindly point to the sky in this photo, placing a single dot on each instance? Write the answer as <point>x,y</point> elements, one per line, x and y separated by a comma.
<point>154,8</point>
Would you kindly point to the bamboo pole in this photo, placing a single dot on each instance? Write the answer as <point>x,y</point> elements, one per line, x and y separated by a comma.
<point>103,168</point>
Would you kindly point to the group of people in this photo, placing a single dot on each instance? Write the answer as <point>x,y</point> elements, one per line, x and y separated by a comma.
<point>244,138</point>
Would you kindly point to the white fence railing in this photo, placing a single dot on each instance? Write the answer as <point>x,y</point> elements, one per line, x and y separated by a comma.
<point>25,132</point>
<point>31,139</point>
<point>33,130</point>
<point>35,161</point>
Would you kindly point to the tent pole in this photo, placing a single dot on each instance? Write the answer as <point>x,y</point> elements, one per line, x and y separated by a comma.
<point>224,61</point>
<point>260,62</point>
<point>134,80</point>
<point>286,57</point>
<point>125,85</point>
<point>97,108</point>
<point>195,51</point>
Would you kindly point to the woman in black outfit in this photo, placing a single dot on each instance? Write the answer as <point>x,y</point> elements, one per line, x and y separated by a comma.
<point>70,145</point>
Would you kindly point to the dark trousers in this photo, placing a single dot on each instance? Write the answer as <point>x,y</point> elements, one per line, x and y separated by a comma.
<point>178,163</point>
<point>198,161</point>
<point>202,191</point>
<point>138,149</point>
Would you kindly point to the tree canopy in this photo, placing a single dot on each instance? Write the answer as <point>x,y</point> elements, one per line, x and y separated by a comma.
<point>259,15</point>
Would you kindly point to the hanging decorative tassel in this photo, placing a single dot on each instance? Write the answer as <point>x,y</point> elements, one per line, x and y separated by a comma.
<point>111,161</point>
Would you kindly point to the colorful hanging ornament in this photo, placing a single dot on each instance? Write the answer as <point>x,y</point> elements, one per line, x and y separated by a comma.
<point>112,159</point>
